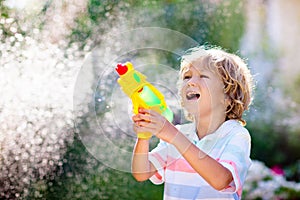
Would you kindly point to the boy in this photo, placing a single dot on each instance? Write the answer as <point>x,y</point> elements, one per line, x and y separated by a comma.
<point>209,157</point>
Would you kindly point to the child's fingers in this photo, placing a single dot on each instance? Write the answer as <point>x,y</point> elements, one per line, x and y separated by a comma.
<point>145,117</point>
<point>136,127</point>
<point>148,112</point>
<point>142,126</point>
<point>141,117</point>
<point>135,118</point>
<point>144,111</point>
<point>145,124</point>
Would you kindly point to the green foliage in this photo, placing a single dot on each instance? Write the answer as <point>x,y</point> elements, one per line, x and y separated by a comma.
<point>4,10</point>
<point>98,10</point>
<point>86,178</point>
<point>82,30</point>
<point>218,24</point>
<point>287,193</point>
<point>293,90</point>
<point>272,143</point>
<point>214,23</point>
<point>267,143</point>
<point>292,172</point>
<point>8,26</point>
<point>274,140</point>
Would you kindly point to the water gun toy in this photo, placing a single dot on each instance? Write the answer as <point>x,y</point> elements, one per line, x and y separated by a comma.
<point>142,93</point>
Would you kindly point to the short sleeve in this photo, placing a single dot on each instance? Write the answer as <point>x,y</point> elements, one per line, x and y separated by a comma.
<point>236,158</point>
<point>158,157</point>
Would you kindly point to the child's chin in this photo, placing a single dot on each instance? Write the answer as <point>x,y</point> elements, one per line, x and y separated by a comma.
<point>192,104</point>
<point>191,110</point>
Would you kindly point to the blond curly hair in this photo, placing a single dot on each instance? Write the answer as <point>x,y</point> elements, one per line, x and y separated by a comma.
<point>233,71</point>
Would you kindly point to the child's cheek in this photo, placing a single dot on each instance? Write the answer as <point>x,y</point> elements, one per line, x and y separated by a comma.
<point>181,91</point>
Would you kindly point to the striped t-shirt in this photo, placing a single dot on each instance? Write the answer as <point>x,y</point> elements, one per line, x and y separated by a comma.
<point>229,145</point>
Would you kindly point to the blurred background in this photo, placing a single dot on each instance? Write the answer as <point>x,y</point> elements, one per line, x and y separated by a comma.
<point>55,72</point>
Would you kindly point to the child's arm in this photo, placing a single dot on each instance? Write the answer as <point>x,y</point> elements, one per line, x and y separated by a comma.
<point>142,169</point>
<point>211,170</point>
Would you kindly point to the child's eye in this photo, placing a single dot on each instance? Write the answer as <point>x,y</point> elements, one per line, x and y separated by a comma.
<point>186,77</point>
<point>203,76</point>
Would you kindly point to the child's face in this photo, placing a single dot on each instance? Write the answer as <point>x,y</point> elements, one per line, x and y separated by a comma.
<point>202,91</point>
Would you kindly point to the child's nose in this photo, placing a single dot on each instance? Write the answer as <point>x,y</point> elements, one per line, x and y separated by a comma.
<point>191,82</point>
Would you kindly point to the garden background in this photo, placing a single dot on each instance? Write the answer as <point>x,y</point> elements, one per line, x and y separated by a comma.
<point>55,85</point>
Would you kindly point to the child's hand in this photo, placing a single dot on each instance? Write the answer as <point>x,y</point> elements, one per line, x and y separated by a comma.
<point>151,121</point>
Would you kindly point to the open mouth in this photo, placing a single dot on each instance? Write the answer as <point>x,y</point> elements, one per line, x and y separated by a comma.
<point>192,96</point>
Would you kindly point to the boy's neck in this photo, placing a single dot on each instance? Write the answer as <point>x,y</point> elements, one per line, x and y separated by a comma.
<point>207,126</point>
